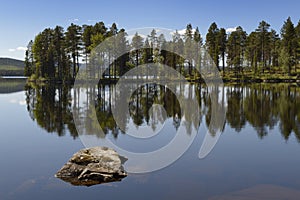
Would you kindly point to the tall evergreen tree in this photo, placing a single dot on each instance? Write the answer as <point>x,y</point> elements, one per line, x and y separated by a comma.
<point>289,42</point>
<point>178,49</point>
<point>59,51</point>
<point>147,54</point>
<point>188,47</point>
<point>87,40</point>
<point>222,38</point>
<point>41,51</point>
<point>252,51</point>
<point>122,46</point>
<point>264,42</point>
<point>275,48</point>
<point>212,43</point>
<point>297,29</point>
<point>137,44</point>
<point>198,42</point>
<point>236,48</point>
<point>99,27</point>
<point>153,39</point>
<point>74,45</point>
<point>29,62</point>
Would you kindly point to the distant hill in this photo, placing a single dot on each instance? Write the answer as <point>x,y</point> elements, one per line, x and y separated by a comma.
<point>11,67</point>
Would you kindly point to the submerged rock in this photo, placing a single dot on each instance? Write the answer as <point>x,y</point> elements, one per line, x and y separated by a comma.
<point>93,166</point>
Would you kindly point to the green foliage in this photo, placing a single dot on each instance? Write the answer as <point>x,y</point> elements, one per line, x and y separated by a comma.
<point>212,43</point>
<point>284,59</point>
<point>236,48</point>
<point>137,44</point>
<point>222,40</point>
<point>56,54</point>
<point>263,37</point>
<point>289,42</point>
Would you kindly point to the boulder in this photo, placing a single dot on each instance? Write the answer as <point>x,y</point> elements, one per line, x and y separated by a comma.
<point>92,166</point>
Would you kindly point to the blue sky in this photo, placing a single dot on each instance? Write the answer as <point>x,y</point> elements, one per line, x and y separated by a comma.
<point>22,20</point>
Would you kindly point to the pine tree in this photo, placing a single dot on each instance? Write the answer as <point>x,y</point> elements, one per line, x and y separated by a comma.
<point>161,40</point>
<point>122,46</point>
<point>198,42</point>
<point>137,44</point>
<point>29,62</point>
<point>147,54</point>
<point>178,49</point>
<point>236,48</point>
<point>153,39</point>
<point>222,38</point>
<point>73,44</point>
<point>99,27</point>
<point>59,51</point>
<point>212,43</point>
<point>188,47</point>
<point>264,42</point>
<point>275,48</point>
<point>42,52</point>
<point>87,40</point>
<point>252,51</point>
<point>297,29</point>
<point>289,42</point>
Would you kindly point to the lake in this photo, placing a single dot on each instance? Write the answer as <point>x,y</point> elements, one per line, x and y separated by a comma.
<point>256,156</point>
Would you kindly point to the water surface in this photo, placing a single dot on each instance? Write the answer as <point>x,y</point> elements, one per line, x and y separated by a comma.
<point>257,155</point>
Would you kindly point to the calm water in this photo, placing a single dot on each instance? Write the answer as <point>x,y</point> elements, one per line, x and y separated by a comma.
<point>257,155</point>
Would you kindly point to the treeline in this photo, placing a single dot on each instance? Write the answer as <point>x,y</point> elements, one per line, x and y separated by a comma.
<point>263,51</point>
<point>56,54</point>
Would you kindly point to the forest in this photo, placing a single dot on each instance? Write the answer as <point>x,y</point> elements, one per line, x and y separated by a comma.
<point>263,54</point>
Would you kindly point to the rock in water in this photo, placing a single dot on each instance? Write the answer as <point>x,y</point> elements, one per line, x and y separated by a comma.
<point>92,166</point>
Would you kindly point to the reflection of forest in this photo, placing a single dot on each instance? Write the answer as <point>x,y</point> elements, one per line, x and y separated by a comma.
<point>264,107</point>
<point>260,106</point>
<point>50,106</point>
<point>139,107</point>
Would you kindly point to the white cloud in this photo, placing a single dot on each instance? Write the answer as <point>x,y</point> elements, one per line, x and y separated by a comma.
<point>73,20</point>
<point>230,30</point>
<point>18,49</point>
<point>21,49</point>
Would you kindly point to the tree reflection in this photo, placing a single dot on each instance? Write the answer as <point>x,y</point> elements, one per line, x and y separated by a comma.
<point>50,107</point>
<point>235,115</point>
<point>261,106</point>
<point>264,106</point>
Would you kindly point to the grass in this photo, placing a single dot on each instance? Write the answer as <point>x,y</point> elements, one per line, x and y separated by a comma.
<point>272,75</point>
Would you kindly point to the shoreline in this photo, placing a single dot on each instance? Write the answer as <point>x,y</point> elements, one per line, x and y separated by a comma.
<point>225,80</point>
